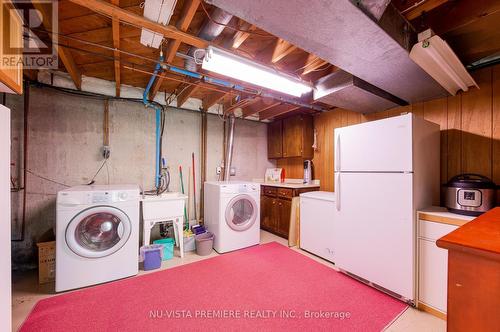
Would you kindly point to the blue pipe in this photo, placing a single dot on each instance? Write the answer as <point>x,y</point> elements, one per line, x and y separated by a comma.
<point>158,110</point>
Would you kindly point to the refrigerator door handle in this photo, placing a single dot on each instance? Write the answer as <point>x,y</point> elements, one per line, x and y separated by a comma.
<point>337,154</point>
<point>337,192</point>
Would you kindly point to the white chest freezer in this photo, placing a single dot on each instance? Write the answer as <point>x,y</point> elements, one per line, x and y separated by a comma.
<point>316,223</point>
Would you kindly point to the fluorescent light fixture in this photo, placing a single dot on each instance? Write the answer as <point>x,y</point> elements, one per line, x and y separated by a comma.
<point>159,11</point>
<point>228,64</point>
<point>436,57</point>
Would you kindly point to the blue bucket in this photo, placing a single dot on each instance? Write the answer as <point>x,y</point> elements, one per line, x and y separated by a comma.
<point>168,247</point>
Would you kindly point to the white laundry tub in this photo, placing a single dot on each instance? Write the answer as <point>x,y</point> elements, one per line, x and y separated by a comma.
<point>164,206</point>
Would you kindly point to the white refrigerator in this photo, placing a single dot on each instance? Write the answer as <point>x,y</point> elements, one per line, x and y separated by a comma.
<point>5,268</point>
<point>385,170</point>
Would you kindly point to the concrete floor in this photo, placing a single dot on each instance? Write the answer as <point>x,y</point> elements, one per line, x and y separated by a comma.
<point>26,292</point>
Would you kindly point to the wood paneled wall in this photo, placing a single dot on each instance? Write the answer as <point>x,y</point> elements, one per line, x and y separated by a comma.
<point>470,131</point>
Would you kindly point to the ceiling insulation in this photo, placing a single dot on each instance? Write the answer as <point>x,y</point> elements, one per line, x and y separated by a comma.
<point>346,36</point>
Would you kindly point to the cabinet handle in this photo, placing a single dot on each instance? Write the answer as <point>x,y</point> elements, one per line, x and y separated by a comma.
<point>337,154</point>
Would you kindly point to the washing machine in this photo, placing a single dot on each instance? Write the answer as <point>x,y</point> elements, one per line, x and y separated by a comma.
<point>232,214</point>
<point>97,235</point>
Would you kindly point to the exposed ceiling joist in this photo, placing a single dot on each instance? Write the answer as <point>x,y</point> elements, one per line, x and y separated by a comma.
<point>240,36</point>
<point>115,26</point>
<point>232,104</point>
<point>167,31</point>
<point>457,14</point>
<point>64,53</point>
<point>188,11</point>
<point>212,99</point>
<point>260,106</point>
<point>312,64</point>
<point>425,6</point>
<point>277,111</point>
<point>186,90</point>
<point>281,50</point>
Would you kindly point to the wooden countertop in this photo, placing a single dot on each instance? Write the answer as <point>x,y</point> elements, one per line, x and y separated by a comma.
<point>443,216</point>
<point>480,237</point>
<point>290,185</point>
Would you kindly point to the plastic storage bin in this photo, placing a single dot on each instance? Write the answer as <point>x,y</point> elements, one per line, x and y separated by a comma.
<point>151,256</point>
<point>168,247</point>
<point>204,243</point>
<point>189,243</point>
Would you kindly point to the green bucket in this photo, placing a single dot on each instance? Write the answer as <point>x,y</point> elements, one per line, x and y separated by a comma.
<point>168,247</point>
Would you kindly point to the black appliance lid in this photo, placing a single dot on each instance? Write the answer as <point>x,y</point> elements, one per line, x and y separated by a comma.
<point>471,181</point>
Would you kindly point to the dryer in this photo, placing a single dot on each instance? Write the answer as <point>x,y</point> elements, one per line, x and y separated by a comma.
<point>97,235</point>
<point>232,214</point>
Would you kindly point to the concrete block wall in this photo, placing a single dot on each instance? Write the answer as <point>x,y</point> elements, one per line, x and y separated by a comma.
<point>65,139</point>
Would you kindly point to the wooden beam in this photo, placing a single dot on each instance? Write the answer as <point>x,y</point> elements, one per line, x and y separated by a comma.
<point>188,11</point>
<point>64,53</point>
<point>259,106</point>
<point>240,36</point>
<point>115,27</point>
<point>265,108</point>
<point>185,91</point>
<point>458,14</point>
<point>167,31</point>
<point>277,111</point>
<point>281,50</point>
<point>212,99</point>
<point>426,6</point>
<point>231,104</point>
<point>312,63</point>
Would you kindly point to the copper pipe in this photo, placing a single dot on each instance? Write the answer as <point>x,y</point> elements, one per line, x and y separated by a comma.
<point>25,156</point>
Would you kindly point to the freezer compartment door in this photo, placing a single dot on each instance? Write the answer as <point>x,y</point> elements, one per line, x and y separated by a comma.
<point>316,227</point>
<point>377,146</point>
<point>373,235</point>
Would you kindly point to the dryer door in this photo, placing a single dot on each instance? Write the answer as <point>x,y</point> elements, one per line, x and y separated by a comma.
<point>98,231</point>
<point>241,212</point>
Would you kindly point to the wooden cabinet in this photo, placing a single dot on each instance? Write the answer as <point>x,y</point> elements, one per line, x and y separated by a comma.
<point>269,218</point>
<point>276,208</point>
<point>11,67</point>
<point>474,274</point>
<point>275,140</point>
<point>284,212</point>
<point>291,137</point>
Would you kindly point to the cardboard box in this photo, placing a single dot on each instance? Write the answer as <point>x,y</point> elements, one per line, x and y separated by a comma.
<point>46,262</point>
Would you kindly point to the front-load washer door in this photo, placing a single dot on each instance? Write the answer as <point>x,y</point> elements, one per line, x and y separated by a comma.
<point>241,212</point>
<point>98,231</point>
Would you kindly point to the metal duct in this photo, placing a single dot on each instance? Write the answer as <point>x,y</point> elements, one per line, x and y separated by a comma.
<point>228,158</point>
<point>346,36</point>
<point>344,90</point>
<point>210,30</point>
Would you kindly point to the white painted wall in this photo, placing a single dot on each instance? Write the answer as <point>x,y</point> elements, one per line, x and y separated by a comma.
<point>5,267</point>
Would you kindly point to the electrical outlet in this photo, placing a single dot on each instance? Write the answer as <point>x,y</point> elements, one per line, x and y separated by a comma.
<point>232,171</point>
<point>106,151</point>
<point>218,170</point>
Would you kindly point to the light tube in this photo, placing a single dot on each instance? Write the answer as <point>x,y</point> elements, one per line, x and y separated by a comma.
<point>227,64</point>
<point>436,57</point>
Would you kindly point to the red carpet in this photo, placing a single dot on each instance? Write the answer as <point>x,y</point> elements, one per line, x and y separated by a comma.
<point>267,287</point>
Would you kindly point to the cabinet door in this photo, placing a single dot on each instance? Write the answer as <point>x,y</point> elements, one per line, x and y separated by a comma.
<point>11,77</point>
<point>292,136</point>
<point>433,272</point>
<point>268,213</point>
<point>284,211</point>
<point>275,139</point>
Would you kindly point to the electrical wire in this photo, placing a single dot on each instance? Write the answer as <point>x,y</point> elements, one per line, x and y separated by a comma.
<point>96,173</point>
<point>47,179</point>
